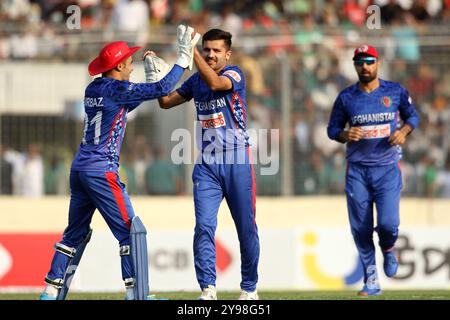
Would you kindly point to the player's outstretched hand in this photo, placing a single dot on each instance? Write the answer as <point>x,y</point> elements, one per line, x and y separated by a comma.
<point>397,138</point>
<point>185,45</point>
<point>155,67</point>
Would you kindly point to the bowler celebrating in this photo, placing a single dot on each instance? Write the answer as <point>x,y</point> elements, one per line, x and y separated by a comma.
<point>373,109</point>
<point>224,169</point>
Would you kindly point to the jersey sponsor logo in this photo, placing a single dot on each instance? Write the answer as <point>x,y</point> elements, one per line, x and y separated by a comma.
<point>386,101</point>
<point>373,117</point>
<point>376,131</point>
<point>235,75</point>
<point>210,105</point>
<point>93,102</point>
<point>212,121</point>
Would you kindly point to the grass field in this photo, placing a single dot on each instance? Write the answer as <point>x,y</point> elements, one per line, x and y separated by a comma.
<point>264,295</point>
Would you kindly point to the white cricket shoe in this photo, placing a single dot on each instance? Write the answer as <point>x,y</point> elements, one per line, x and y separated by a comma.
<point>50,293</point>
<point>245,295</point>
<point>208,293</point>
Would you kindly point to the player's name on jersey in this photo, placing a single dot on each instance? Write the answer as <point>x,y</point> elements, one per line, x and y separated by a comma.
<point>93,102</point>
<point>211,104</point>
<point>373,117</point>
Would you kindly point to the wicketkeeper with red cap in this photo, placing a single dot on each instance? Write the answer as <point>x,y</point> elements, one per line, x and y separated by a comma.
<point>94,179</point>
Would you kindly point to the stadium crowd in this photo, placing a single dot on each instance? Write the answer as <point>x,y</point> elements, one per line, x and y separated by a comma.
<point>314,37</point>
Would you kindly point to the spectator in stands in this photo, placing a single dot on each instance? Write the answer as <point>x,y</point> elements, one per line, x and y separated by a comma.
<point>127,173</point>
<point>430,177</point>
<point>142,157</point>
<point>17,160</point>
<point>422,83</point>
<point>15,10</point>
<point>6,183</point>
<point>56,179</point>
<point>229,20</point>
<point>131,22</point>
<point>419,11</point>
<point>354,12</point>
<point>312,175</point>
<point>179,12</point>
<point>405,38</point>
<point>391,11</point>
<point>24,45</point>
<point>104,14</point>
<point>162,177</point>
<point>443,180</point>
<point>336,184</point>
<point>32,178</point>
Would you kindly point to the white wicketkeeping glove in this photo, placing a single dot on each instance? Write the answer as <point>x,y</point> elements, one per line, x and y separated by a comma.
<point>186,45</point>
<point>155,68</point>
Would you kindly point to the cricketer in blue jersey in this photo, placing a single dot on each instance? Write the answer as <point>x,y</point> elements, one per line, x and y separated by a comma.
<point>94,179</point>
<point>224,168</point>
<point>380,115</point>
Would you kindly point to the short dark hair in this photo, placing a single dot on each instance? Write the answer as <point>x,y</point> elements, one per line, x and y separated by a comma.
<point>217,34</point>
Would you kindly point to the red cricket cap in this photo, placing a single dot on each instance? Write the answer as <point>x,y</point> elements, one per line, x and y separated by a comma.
<point>110,56</point>
<point>365,50</point>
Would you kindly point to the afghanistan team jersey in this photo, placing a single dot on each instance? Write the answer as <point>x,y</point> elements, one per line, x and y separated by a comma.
<point>220,114</point>
<point>107,102</point>
<point>378,113</point>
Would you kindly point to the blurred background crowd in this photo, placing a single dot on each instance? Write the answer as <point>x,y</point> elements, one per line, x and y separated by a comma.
<point>296,55</point>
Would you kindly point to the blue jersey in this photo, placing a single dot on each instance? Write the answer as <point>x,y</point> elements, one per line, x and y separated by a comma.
<point>378,113</point>
<point>221,114</point>
<point>107,102</point>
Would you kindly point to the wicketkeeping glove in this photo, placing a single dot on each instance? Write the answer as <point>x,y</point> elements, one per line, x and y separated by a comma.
<point>186,45</point>
<point>155,68</point>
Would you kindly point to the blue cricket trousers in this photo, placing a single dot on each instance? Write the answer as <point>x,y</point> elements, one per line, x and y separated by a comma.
<point>366,186</point>
<point>236,183</point>
<point>92,190</point>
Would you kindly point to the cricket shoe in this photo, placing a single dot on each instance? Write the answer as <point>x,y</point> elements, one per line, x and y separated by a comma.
<point>46,296</point>
<point>208,293</point>
<point>366,292</point>
<point>390,264</point>
<point>248,295</point>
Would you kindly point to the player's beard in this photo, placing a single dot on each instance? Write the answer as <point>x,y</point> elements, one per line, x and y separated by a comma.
<point>367,78</point>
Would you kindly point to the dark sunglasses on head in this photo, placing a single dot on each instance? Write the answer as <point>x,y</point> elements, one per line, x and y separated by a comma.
<point>368,61</point>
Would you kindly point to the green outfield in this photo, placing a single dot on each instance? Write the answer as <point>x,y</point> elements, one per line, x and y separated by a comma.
<point>264,295</point>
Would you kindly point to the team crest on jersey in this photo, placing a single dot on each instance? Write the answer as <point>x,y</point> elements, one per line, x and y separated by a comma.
<point>234,75</point>
<point>386,101</point>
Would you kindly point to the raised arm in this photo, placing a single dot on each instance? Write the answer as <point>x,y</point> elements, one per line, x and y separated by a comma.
<point>134,93</point>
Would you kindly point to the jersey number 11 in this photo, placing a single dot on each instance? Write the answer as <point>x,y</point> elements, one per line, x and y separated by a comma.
<point>97,120</point>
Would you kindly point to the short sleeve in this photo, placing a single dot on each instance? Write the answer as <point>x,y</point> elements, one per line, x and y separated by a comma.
<point>237,78</point>
<point>186,90</point>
